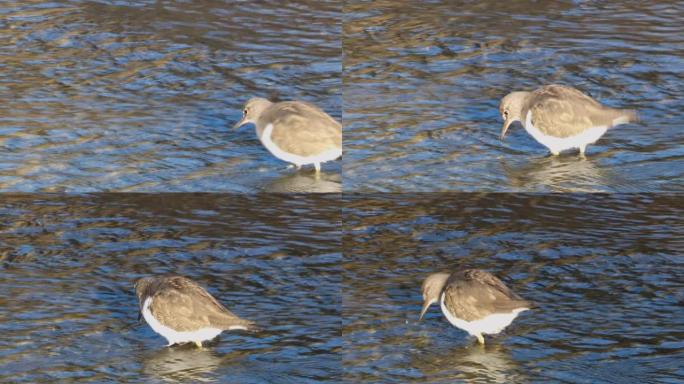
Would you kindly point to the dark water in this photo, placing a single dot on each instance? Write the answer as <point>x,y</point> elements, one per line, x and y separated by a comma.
<point>606,271</point>
<point>423,81</point>
<point>142,95</point>
<point>68,310</point>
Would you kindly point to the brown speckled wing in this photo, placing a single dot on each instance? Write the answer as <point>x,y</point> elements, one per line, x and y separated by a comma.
<point>474,294</point>
<point>562,111</point>
<point>303,129</point>
<point>181,304</point>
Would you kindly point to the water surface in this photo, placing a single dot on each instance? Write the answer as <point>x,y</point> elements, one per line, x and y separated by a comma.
<point>606,272</point>
<point>423,81</point>
<point>68,309</point>
<point>142,95</point>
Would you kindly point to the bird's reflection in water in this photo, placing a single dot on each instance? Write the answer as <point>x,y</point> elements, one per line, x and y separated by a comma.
<point>471,362</point>
<point>564,173</point>
<point>306,180</point>
<point>187,363</point>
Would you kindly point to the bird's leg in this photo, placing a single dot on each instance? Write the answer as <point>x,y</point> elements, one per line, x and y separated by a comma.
<point>582,149</point>
<point>198,344</point>
<point>555,153</point>
<point>318,168</point>
<point>480,338</point>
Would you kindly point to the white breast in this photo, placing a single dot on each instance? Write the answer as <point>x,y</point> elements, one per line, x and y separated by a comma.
<point>558,144</point>
<point>175,337</point>
<point>491,324</point>
<point>328,155</point>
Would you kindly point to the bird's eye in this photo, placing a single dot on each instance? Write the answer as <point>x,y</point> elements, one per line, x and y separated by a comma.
<point>505,115</point>
<point>245,111</point>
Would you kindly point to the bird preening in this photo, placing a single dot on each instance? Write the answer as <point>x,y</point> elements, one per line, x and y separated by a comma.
<point>182,311</point>
<point>473,300</point>
<point>561,117</point>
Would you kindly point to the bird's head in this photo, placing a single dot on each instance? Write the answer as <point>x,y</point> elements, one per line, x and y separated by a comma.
<point>142,286</point>
<point>432,290</point>
<point>511,109</point>
<point>252,110</point>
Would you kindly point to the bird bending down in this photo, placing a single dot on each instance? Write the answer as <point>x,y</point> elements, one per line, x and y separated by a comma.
<point>294,131</point>
<point>473,300</point>
<point>561,117</point>
<point>182,311</point>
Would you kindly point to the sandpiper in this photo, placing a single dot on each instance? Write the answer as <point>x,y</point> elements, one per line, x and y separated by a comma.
<point>473,300</point>
<point>294,131</point>
<point>561,117</point>
<point>182,311</point>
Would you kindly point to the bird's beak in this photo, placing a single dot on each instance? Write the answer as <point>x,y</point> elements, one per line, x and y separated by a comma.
<point>506,124</point>
<point>426,305</point>
<point>240,123</point>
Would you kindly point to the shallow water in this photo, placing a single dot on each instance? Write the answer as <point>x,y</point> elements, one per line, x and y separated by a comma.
<point>423,81</point>
<point>606,273</point>
<point>68,309</point>
<point>142,95</point>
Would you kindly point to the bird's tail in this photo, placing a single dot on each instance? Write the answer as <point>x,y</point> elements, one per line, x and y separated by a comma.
<point>530,304</point>
<point>633,116</point>
<point>244,325</point>
<point>626,116</point>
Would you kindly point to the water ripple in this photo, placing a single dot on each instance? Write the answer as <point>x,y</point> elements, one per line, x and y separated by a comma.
<point>67,267</point>
<point>423,81</point>
<point>605,270</point>
<point>141,95</point>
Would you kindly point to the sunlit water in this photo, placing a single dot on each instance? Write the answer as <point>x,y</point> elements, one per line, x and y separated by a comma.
<point>423,81</point>
<point>68,309</point>
<point>607,274</point>
<point>142,95</point>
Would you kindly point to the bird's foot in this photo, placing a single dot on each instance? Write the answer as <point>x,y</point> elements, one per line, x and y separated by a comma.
<point>582,152</point>
<point>480,339</point>
<point>198,344</point>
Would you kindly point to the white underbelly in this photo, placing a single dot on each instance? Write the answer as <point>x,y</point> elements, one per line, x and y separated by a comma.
<point>327,155</point>
<point>491,324</point>
<point>559,144</point>
<point>175,337</point>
